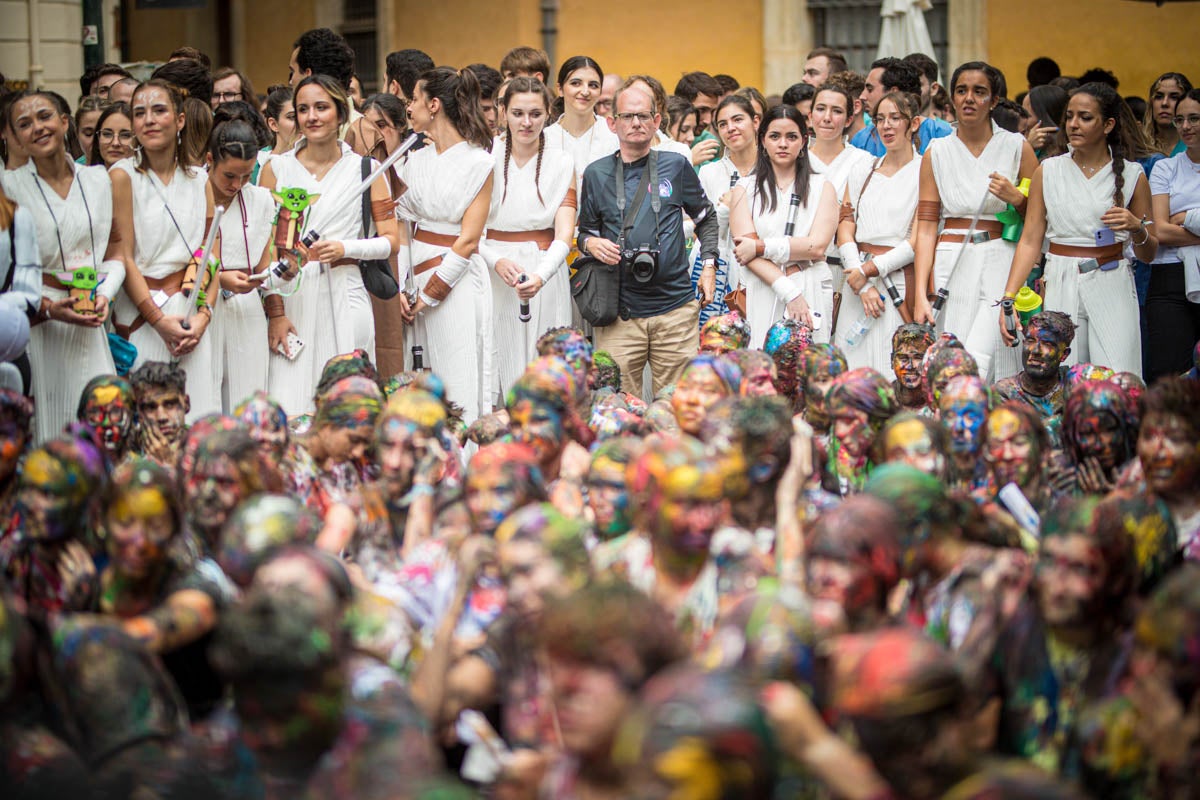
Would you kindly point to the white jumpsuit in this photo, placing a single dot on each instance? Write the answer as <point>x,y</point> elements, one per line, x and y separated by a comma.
<point>763,308</point>
<point>884,217</point>
<point>517,211</point>
<point>456,335</point>
<point>160,251</point>
<point>1102,303</point>
<point>329,323</point>
<point>240,330</point>
<point>64,357</point>
<point>977,283</point>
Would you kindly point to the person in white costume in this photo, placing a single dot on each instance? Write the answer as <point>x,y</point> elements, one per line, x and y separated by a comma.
<point>579,133</point>
<point>784,273</point>
<point>978,163</point>
<point>240,331</point>
<point>1089,203</point>
<point>736,123</point>
<point>330,310</point>
<point>875,234</point>
<point>529,230</point>
<point>830,156</point>
<point>71,206</point>
<point>161,211</point>
<point>448,199</point>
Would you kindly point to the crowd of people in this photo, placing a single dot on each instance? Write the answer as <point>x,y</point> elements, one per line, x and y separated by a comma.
<point>373,499</point>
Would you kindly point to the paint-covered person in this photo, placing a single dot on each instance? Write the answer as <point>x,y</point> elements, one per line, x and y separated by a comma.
<point>853,560</point>
<point>724,333</point>
<point>706,380</point>
<point>963,408</point>
<point>45,551</point>
<point>1099,434</point>
<point>917,440</point>
<point>860,403</point>
<point>1168,448</point>
<point>160,391</point>
<point>224,470</point>
<point>787,344</point>
<point>1042,380</point>
<point>16,433</point>
<point>107,404</point>
<point>909,344</point>
<point>822,363</point>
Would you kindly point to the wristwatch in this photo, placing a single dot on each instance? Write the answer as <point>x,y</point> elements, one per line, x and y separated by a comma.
<point>708,262</point>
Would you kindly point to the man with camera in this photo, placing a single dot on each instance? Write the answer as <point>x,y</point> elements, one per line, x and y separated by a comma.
<point>642,230</point>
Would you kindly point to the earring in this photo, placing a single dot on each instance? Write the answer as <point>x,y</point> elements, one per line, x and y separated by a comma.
<point>178,138</point>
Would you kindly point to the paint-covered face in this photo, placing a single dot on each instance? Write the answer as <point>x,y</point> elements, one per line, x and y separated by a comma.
<point>816,395</point>
<point>724,334</point>
<point>852,428</point>
<point>538,425</point>
<point>400,447</point>
<point>906,363</point>
<point>697,391</point>
<point>47,513</point>
<point>1011,451</point>
<point>1170,456</point>
<point>110,411</point>
<point>164,410</point>
<point>964,409</point>
<point>140,526</point>
<point>1043,353</point>
<point>12,445</point>
<point>212,491</point>
<point>959,366</point>
<point>758,380</point>
<point>843,582</point>
<point>1069,578</point>
<point>608,497</point>
<point>268,427</point>
<point>1098,435</point>
<point>909,442</point>
<point>492,494</point>
<point>690,506</point>
<point>348,443</point>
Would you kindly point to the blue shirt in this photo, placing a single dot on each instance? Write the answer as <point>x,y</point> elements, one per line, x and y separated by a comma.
<point>930,129</point>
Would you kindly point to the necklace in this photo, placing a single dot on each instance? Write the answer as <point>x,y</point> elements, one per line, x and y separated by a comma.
<point>1089,170</point>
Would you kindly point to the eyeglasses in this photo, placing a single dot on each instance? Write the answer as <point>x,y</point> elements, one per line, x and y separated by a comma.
<point>1192,120</point>
<point>226,97</point>
<point>107,135</point>
<point>643,117</point>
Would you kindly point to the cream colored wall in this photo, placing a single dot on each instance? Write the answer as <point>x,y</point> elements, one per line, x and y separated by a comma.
<point>1135,40</point>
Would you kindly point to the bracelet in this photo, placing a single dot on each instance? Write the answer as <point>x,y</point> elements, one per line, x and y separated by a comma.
<point>274,306</point>
<point>149,311</point>
<point>1010,295</point>
<point>1145,239</point>
<point>760,247</point>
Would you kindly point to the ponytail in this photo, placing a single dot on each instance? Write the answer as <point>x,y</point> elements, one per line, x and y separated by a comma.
<point>460,94</point>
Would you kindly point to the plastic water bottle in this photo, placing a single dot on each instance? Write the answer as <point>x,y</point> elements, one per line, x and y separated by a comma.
<point>858,331</point>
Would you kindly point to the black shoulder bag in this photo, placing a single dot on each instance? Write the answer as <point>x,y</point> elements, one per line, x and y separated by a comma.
<point>596,286</point>
<point>377,273</point>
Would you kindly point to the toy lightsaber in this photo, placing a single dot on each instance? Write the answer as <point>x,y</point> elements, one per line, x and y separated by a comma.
<point>313,235</point>
<point>202,268</point>
<point>943,293</point>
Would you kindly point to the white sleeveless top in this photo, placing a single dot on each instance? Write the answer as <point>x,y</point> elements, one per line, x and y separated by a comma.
<point>597,143</point>
<point>442,187</point>
<point>962,180</point>
<point>90,194</point>
<point>243,239</point>
<point>772,223</point>
<point>885,209</point>
<point>839,170</point>
<point>1074,203</point>
<point>328,214</point>
<point>715,177</point>
<point>520,209</point>
<point>159,249</point>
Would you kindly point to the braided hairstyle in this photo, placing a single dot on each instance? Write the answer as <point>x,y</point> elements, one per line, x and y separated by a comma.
<point>1122,138</point>
<point>764,173</point>
<point>525,85</point>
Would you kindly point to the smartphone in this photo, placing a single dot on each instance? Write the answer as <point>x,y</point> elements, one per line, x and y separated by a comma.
<point>294,346</point>
<point>817,320</point>
<point>1105,237</point>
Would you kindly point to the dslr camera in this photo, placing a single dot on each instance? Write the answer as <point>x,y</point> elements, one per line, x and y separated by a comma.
<point>642,263</point>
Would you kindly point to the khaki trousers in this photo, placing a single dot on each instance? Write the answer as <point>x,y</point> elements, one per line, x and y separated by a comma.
<point>667,342</point>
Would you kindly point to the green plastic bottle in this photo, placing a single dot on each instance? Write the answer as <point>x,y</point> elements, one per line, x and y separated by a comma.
<point>1027,303</point>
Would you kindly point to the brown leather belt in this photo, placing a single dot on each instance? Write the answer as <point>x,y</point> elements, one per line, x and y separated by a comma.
<point>436,239</point>
<point>344,262</point>
<point>171,285</point>
<point>1111,252</point>
<point>993,228</point>
<point>542,238</point>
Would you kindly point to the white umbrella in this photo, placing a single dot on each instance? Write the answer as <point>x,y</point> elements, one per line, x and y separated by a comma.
<point>904,29</point>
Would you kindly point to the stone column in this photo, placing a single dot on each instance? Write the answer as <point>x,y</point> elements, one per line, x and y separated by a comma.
<point>967,31</point>
<point>787,39</point>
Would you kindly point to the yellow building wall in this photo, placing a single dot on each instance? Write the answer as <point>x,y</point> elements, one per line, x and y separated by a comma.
<point>270,27</point>
<point>154,33</point>
<point>720,36</point>
<point>1136,41</point>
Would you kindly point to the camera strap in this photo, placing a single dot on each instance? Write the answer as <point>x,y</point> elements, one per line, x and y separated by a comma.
<point>639,196</point>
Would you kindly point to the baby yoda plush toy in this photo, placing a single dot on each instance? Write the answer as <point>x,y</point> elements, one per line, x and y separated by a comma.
<point>81,287</point>
<point>289,221</point>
